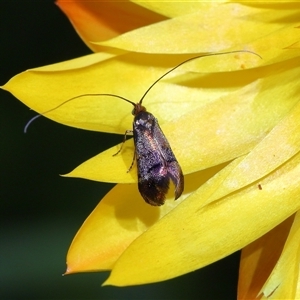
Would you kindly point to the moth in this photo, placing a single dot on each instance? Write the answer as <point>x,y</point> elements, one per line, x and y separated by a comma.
<point>156,162</point>
<point>157,165</point>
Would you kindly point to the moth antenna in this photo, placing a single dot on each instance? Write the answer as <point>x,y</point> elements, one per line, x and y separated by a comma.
<point>30,121</point>
<point>195,57</point>
<point>73,98</point>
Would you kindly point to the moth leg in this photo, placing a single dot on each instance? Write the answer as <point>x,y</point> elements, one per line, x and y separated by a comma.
<point>132,162</point>
<point>124,140</point>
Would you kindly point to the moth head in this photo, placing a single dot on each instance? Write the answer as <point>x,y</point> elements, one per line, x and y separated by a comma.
<point>138,108</point>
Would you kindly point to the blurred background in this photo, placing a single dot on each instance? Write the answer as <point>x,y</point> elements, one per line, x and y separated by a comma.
<point>41,211</point>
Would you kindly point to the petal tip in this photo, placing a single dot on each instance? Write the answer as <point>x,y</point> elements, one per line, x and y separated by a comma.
<point>68,271</point>
<point>105,283</point>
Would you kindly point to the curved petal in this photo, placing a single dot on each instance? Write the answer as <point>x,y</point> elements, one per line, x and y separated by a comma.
<point>224,104</point>
<point>41,89</point>
<point>284,281</point>
<point>259,258</point>
<point>108,167</point>
<point>96,21</point>
<point>231,197</point>
<point>249,28</point>
<point>200,230</point>
<point>110,228</point>
<point>175,8</point>
<point>228,135</point>
<point>271,10</point>
<point>120,217</point>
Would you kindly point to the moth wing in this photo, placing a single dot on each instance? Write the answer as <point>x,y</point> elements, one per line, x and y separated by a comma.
<point>155,187</point>
<point>155,161</point>
<point>175,173</point>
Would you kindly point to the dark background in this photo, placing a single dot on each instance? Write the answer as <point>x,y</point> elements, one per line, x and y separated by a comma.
<point>41,211</point>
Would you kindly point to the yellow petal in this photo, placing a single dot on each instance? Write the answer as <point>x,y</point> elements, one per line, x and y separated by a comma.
<point>249,28</point>
<point>172,8</point>
<point>221,132</point>
<point>110,228</point>
<point>209,234</point>
<point>45,88</point>
<point>178,8</point>
<point>120,217</point>
<point>96,21</point>
<point>283,282</point>
<point>202,230</point>
<point>167,233</point>
<point>259,258</point>
<point>108,167</point>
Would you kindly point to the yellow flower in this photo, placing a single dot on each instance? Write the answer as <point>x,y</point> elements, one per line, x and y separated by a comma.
<point>233,122</point>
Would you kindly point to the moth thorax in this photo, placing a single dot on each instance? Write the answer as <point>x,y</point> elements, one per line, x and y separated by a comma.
<point>138,108</point>
<point>144,119</point>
